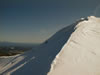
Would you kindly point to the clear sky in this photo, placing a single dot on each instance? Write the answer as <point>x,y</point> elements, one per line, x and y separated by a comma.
<point>34,21</point>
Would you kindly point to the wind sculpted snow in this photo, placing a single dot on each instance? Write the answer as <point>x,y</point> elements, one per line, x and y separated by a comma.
<point>37,61</point>
<point>81,54</point>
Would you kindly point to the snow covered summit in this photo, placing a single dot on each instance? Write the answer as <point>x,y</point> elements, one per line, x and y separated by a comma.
<point>81,54</point>
<point>74,50</point>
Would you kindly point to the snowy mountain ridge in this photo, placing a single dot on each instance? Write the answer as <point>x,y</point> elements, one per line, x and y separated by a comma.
<point>81,54</point>
<point>74,50</point>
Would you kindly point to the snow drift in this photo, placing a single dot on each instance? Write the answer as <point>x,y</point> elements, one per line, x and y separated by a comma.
<point>81,54</point>
<point>77,46</point>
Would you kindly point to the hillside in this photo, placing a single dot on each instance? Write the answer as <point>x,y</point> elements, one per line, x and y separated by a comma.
<point>76,46</point>
<point>81,54</point>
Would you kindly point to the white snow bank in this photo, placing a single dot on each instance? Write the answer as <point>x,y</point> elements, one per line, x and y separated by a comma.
<point>81,54</point>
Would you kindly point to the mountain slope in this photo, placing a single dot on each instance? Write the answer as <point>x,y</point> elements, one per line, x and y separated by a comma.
<point>78,48</point>
<point>81,54</point>
<point>37,61</point>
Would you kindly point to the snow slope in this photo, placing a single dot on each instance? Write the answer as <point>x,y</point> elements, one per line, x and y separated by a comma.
<point>78,46</point>
<point>81,54</point>
<point>37,61</point>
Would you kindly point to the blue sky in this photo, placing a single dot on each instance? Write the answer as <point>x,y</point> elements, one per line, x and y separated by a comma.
<point>33,21</point>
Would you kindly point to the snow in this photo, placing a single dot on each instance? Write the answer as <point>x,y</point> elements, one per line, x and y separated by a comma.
<point>37,61</point>
<point>81,54</point>
<point>74,50</point>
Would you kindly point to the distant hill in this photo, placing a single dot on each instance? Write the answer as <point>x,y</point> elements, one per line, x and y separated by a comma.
<point>18,44</point>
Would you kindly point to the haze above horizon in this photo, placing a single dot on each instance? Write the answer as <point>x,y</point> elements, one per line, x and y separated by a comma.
<point>34,21</point>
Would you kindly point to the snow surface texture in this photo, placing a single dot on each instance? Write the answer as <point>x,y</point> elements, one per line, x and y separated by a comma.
<point>81,54</point>
<point>78,46</point>
<point>37,61</point>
